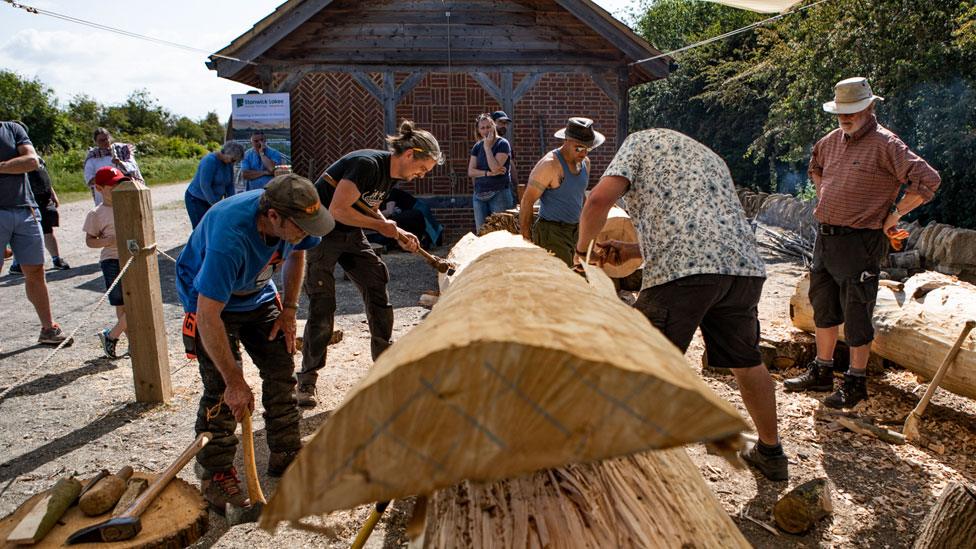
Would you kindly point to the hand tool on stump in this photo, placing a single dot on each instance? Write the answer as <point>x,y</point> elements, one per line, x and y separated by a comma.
<point>103,496</point>
<point>910,429</point>
<point>440,264</point>
<point>374,517</point>
<point>127,525</point>
<point>240,515</point>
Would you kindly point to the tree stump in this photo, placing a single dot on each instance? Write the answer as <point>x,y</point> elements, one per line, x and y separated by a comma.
<point>803,506</point>
<point>952,520</point>
<point>177,518</point>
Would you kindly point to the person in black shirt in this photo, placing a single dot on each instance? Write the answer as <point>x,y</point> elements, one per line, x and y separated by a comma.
<point>359,181</point>
<point>47,206</point>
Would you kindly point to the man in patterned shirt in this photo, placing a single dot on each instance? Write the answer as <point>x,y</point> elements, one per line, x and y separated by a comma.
<point>702,265</point>
<point>858,170</point>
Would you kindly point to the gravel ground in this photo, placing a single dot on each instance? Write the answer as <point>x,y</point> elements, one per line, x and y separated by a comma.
<point>77,413</point>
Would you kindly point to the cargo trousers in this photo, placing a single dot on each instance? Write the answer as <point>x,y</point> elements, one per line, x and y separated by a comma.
<point>276,367</point>
<point>366,270</point>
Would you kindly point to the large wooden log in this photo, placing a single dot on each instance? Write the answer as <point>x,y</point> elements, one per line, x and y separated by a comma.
<point>952,521</point>
<point>916,324</point>
<point>520,366</point>
<point>654,499</point>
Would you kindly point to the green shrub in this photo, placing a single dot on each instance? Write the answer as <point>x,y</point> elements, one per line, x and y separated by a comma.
<point>67,169</point>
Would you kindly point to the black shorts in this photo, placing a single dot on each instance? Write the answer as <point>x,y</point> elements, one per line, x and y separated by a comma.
<point>49,213</point>
<point>844,282</point>
<point>726,307</point>
<point>110,271</point>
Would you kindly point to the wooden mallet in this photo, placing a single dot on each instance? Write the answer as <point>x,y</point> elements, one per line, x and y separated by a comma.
<point>127,525</point>
<point>910,429</point>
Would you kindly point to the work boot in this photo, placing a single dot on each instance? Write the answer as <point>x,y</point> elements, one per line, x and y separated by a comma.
<point>306,395</point>
<point>854,390</point>
<point>53,336</point>
<point>816,378</point>
<point>771,462</point>
<point>279,461</point>
<point>223,488</point>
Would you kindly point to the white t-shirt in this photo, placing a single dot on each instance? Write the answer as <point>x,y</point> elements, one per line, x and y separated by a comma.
<point>100,223</point>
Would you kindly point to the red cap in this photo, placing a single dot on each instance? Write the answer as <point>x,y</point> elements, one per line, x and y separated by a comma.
<point>109,176</point>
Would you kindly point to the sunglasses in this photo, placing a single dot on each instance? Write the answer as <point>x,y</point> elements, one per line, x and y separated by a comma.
<point>581,148</point>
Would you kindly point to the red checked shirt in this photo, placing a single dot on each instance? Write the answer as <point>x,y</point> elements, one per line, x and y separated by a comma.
<point>860,176</point>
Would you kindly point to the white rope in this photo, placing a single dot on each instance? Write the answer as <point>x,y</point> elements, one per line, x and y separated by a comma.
<point>730,33</point>
<point>164,254</point>
<point>71,336</point>
<point>123,32</point>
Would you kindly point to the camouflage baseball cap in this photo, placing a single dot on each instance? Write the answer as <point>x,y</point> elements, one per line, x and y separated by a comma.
<point>295,197</point>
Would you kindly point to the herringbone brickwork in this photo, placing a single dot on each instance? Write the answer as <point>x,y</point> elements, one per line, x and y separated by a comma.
<point>332,115</point>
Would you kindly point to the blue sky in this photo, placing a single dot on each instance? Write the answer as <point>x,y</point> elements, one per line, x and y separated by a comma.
<point>74,59</point>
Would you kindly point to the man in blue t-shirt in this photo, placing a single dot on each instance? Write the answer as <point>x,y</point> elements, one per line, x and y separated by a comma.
<point>259,163</point>
<point>20,225</point>
<point>224,281</point>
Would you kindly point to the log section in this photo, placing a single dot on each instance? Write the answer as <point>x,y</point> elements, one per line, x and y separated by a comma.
<point>916,324</point>
<point>520,366</point>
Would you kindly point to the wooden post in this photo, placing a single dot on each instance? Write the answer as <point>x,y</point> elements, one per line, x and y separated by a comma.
<point>132,206</point>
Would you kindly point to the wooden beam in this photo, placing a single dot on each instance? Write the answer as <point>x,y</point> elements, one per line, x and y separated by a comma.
<point>268,37</point>
<point>367,83</point>
<point>623,104</point>
<point>526,84</point>
<point>291,66</point>
<point>585,11</point>
<point>133,213</point>
<point>408,84</point>
<point>290,81</point>
<point>488,84</point>
<point>610,90</point>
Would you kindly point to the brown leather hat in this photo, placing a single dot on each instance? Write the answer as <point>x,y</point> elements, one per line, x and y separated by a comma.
<point>581,129</point>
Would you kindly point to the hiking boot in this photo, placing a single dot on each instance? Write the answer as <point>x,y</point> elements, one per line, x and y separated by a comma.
<point>854,390</point>
<point>223,488</point>
<point>306,395</point>
<point>774,467</point>
<point>61,264</point>
<point>279,461</point>
<point>15,269</point>
<point>108,344</point>
<point>53,336</point>
<point>816,378</point>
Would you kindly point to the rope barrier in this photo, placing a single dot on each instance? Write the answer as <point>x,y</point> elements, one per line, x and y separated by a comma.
<point>71,336</point>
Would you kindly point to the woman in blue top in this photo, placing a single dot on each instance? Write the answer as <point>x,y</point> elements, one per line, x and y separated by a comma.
<point>213,181</point>
<point>491,172</point>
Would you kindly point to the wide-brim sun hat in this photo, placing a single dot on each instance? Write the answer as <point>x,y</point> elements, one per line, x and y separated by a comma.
<point>581,129</point>
<point>851,96</point>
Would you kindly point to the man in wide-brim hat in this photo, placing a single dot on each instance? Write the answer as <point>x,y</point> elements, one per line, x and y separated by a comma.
<point>559,181</point>
<point>858,170</point>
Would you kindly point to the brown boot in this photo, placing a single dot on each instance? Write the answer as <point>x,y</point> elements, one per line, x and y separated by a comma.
<point>223,488</point>
<point>278,462</point>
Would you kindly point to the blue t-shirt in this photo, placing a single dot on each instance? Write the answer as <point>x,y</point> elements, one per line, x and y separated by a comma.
<point>492,182</point>
<point>227,260</point>
<point>15,190</point>
<point>213,181</point>
<point>252,161</point>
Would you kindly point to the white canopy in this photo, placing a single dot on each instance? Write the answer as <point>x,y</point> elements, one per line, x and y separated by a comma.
<point>762,6</point>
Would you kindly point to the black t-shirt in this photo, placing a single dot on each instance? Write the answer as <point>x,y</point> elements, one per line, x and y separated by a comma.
<point>368,169</point>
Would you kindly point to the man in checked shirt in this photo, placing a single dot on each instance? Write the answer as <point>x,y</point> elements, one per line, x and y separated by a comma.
<point>859,170</point>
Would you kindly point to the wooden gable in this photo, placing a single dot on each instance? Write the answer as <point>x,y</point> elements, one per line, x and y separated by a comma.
<point>432,35</point>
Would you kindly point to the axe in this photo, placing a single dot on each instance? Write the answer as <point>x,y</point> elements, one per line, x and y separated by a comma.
<point>127,525</point>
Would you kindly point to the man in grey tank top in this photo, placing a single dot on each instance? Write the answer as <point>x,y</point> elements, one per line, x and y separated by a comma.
<point>558,181</point>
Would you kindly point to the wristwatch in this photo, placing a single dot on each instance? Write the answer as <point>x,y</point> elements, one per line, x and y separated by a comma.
<point>291,306</point>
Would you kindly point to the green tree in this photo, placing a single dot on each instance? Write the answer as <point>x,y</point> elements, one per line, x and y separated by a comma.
<point>34,104</point>
<point>213,130</point>
<point>140,113</point>
<point>188,129</point>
